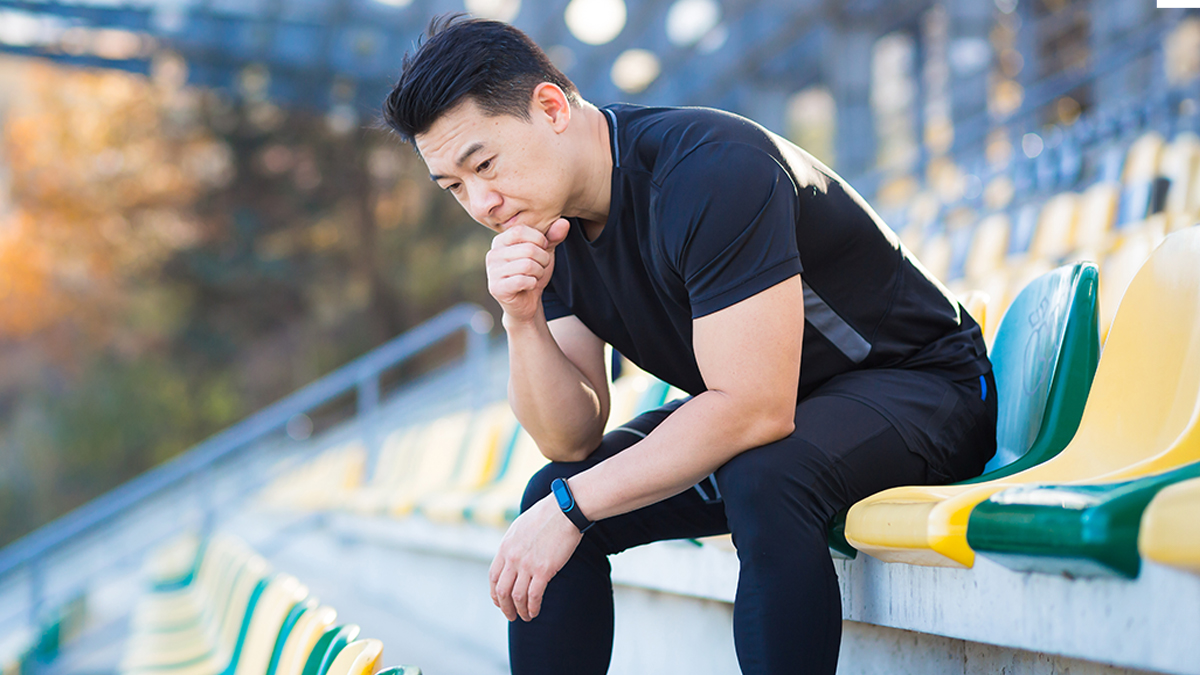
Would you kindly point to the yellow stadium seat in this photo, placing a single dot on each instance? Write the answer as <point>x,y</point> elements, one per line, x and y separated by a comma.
<point>432,464</point>
<point>1169,533</point>
<point>473,466</point>
<point>1055,234</point>
<point>1180,163</point>
<point>989,246</point>
<point>304,636</point>
<point>395,458</point>
<point>1142,416</point>
<point>1094,223</point>
<point>498,504</point>
<point>273,607</point>
<point>490,444</point>
<point>357,658</point>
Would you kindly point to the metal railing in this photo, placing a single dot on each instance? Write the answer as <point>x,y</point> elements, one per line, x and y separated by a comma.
<point>361,376</point>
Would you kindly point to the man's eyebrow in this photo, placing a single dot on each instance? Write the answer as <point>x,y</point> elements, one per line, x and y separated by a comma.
<point>462,159</point>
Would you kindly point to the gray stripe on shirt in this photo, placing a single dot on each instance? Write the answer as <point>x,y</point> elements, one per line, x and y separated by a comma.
<point>835,329</point>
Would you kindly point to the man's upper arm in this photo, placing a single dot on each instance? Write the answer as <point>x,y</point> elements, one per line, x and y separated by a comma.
<point>751,349</point>
<point>586,351</point>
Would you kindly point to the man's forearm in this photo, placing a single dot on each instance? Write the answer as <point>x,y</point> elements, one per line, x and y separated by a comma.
<point>551,397</point>
<point>695,440</point>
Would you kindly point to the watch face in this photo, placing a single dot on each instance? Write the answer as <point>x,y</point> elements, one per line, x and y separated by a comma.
<point>562,494</point>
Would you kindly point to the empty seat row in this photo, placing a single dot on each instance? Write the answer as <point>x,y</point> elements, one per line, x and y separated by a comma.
<point>222,611</point>
<point>1080,505</point>
<point>465,466</point>
<point>1079,461</point>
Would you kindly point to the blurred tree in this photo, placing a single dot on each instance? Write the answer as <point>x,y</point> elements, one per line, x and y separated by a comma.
<point>175,259</point>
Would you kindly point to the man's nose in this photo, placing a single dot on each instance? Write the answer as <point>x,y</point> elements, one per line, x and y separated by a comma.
<point>484,201</point>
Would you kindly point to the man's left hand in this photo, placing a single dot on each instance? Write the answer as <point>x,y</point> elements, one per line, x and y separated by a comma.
<point>534,549</point>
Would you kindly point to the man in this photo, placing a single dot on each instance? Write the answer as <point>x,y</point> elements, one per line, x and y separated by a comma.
<point>824,363</point>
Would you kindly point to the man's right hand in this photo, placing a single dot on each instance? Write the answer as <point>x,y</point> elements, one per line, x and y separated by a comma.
<point>519,266</point>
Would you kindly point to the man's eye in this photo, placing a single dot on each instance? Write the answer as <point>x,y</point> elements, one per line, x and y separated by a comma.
<point>485,165</point>
<point>453,187</point>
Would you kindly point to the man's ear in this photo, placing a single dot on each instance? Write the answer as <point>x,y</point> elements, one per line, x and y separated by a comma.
<point>550,103</point>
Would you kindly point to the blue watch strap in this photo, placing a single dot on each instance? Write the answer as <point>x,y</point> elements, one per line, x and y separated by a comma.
<point>566,502</point>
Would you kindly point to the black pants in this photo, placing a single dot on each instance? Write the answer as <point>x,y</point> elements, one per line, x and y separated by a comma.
<point>777,500</point>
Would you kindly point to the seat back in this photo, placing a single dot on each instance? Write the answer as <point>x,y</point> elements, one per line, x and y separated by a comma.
<point>358,658</point>
<point>1047,343</point>
<point>285,631</point>
<point>303,638</point>
<point>276,602</point>
<point>328,647</point>
<point>1142,413</point>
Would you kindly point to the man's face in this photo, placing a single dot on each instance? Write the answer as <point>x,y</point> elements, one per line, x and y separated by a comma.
<point>504,170</point>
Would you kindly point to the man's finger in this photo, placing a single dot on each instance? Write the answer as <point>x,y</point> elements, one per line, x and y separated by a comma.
<point>520,234</point>
<point>537,590</point>
<point>504,589</point>
<point>520,596</point>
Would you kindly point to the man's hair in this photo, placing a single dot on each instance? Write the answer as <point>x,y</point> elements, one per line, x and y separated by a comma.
<point>491,62</point>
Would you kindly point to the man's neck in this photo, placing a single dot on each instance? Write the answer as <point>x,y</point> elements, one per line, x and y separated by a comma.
<point>595,176</point>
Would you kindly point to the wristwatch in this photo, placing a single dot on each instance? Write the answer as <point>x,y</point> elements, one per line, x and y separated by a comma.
<point>566,502</point>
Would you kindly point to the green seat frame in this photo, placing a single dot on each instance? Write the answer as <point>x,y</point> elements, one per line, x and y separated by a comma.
<point>1076,530</point>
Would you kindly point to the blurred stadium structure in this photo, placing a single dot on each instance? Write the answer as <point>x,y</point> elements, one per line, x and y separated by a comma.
<point>950,116</point>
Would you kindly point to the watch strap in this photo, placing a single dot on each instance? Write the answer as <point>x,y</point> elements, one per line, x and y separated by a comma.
<point>566,502</point>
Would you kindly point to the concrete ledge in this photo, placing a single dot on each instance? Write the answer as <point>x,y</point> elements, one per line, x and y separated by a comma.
<point>935,620</point>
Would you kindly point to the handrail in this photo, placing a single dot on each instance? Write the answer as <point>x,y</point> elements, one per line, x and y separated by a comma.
<point>361,374</point>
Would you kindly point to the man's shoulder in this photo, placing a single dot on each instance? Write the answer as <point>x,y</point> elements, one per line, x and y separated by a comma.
<point>656,140</point>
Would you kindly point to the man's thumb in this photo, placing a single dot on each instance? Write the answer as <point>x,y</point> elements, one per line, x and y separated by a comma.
<point>558,231</point>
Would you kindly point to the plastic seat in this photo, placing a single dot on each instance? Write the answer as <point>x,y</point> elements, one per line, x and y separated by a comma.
<point>432,464</point>
<point>472,467</point>
<point>1077,530</point>
<point>394,459</point>
<point>450,506</point>
<point>1141,418</point>
<point>1168,527</point>
<point>285,631</point>
<point>357,658</point>
<point>400,670</point>
<point>1180,164</point>
<point>208,646</point>
<point>283,594</point>
<point>988,247</point>
<point>1142,191</point>
<point>328,647</point>
<point>1043,359</point>
<point>303,639</point>
<point>1055,235</point>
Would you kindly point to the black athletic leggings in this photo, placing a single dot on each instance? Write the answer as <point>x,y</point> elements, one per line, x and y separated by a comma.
<point>777,500</point>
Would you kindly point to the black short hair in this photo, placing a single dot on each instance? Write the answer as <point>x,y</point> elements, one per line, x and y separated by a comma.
<point>496,65</point>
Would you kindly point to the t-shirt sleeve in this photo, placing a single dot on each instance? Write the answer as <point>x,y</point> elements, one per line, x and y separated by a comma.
<point>552,305</point>
<point>728,217</point>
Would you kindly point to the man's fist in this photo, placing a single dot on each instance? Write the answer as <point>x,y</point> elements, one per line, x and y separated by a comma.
<point>519,267</point>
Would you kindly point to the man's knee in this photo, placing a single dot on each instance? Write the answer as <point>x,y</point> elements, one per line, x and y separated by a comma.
<point>776,483</point>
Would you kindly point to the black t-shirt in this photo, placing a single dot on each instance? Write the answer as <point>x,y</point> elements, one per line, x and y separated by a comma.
<point>708,209</point>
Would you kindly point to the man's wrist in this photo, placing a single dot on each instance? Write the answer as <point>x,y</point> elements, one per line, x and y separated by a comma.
<point>561,492</point>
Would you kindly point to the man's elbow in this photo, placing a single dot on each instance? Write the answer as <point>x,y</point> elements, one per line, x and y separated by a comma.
<point>769,425</point>
<point>566,451</point>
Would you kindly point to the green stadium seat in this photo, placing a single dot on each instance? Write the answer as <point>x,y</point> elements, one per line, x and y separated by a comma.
<point>1077,530</point>
<point>1139,419</point>
<point>303,639</point>
<point>1044,357</point>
